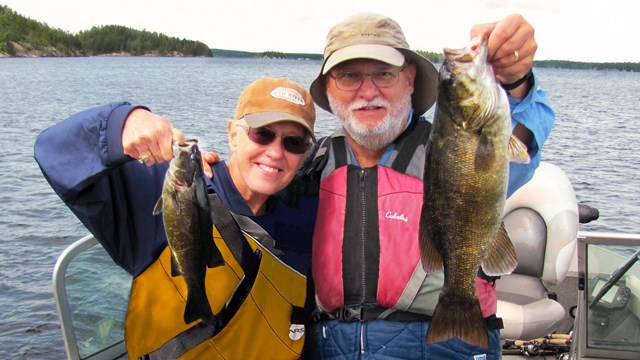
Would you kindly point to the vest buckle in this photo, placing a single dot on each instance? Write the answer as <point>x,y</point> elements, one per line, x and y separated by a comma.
<point>350,313</point>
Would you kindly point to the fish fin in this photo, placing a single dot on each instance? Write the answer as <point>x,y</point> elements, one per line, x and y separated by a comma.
<point>518,151</point>
<point>458,316</point>
<point>485,154</point>
<point>214,258</point>
<point>212,255</point>
<point>501,256</point>
<point>158,208</point>
<point>431,258</point>
<point>175,268</point>
<point>198,308</point>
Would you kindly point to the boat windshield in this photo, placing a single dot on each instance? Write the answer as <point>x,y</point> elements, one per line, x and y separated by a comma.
<point>611,299</point>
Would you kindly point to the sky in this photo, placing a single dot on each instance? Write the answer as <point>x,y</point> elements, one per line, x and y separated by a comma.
<point>577,30</point>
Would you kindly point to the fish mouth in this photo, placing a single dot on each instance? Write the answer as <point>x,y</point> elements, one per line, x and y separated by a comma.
<point>177,183</point>
<point>475,53</point>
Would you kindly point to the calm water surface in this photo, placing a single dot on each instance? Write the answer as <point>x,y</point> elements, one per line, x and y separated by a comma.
<point>595,141</point>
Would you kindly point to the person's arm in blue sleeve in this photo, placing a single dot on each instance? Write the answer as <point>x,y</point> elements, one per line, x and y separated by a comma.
<point>511,49</point>
<point>83,160</point>
<point>534,113</point>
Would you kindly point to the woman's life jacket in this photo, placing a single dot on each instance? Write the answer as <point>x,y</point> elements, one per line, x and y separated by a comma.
<point>257,300</point>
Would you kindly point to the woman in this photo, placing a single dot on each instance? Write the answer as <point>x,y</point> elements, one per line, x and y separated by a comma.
<point>90,161</point>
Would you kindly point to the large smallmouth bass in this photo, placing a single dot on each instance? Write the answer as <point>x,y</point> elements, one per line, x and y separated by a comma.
<point>465,186</point>
<point>189,227</point>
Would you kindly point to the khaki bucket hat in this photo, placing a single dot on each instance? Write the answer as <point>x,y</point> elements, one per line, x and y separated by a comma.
<point>377,37</point>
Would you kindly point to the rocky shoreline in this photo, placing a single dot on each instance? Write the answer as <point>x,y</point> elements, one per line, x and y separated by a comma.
<point>26,51</point>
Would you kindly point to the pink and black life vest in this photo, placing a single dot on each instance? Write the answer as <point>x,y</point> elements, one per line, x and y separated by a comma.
<point>365,244</point>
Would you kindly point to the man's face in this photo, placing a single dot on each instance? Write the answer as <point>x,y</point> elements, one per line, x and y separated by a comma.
<point>373,116</point>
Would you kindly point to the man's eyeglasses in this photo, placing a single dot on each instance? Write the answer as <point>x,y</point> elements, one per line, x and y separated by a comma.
<point>264,136</point>
<point>348,80</point>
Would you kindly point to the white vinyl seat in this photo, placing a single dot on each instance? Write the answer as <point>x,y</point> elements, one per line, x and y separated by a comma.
<point>542,221</point>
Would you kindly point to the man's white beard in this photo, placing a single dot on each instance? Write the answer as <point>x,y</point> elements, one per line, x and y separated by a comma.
<point>383,133</point>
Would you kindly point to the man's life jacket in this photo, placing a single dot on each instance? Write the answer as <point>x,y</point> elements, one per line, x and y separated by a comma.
<point>365,245</point>
<point>257,300</point>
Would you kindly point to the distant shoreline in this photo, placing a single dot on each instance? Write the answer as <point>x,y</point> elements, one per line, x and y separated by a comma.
<point>221,53</point>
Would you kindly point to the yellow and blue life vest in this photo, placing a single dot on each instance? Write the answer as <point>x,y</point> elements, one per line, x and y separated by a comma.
<point>258,301</point>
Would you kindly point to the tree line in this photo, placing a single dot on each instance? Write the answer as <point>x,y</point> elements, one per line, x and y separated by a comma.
<point>564,64</point>
<point>20,36</point>
<point>18,33</point>
<point>109,39</point>
<point>559,64</point>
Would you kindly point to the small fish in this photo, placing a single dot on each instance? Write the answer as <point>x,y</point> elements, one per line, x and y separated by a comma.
<point>189,227</point>
<point>466,177</point>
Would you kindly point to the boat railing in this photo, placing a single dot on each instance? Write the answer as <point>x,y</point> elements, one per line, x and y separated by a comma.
<point>91,294</point>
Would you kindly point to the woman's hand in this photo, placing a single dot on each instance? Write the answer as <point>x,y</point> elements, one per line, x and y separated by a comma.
<point>148,137</point>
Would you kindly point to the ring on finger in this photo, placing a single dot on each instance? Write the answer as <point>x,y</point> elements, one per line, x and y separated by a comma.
<point>517,56</point>
<point>144,158</point>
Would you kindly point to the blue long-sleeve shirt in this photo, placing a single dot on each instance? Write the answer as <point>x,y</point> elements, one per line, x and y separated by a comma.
<point>536,114</point>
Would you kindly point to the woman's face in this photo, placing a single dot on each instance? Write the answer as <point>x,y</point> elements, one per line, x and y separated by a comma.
<point>259,171</point>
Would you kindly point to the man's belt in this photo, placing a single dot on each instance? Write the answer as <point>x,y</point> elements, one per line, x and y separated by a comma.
<point>366,313</point>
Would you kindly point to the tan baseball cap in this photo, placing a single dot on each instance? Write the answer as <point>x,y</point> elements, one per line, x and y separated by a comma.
<point>269,100</point>
<point>377,37</point>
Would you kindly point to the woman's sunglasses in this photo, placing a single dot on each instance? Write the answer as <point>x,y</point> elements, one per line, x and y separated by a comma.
<point>265,136</point>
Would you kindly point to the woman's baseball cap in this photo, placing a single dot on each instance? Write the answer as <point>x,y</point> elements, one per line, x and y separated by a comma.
<point>269,100</point>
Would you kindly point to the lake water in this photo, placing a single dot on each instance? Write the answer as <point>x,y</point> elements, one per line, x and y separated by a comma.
<point>596,141</point>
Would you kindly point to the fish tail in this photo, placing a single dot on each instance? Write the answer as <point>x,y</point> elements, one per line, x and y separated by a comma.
<point>198,308</point>
<point>461,317</point>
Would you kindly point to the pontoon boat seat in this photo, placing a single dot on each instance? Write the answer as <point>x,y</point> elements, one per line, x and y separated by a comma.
<point>542,221</point>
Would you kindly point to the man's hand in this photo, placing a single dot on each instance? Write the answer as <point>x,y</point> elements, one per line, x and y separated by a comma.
<point>511,46</point>
<point>149,137</point>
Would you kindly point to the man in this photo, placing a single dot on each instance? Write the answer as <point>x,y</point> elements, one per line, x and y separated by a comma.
<point>373,299</point>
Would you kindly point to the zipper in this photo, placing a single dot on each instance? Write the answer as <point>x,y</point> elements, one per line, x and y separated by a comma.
<point>363,175</point>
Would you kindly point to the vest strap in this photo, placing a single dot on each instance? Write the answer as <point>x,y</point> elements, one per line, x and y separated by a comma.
<point>250,263</point>
<point>368,313</point>
<point>340,150</point>
<point>418,136</point>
